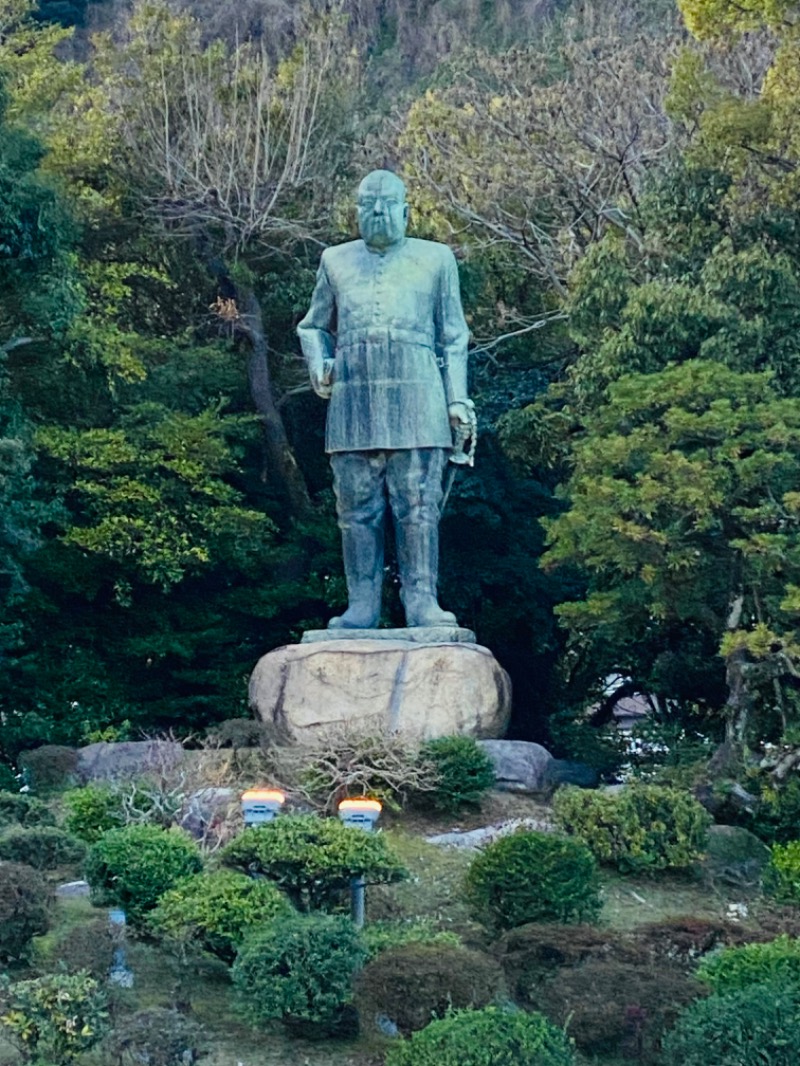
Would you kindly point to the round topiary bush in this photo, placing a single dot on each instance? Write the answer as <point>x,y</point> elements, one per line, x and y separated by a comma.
<point>782,875</point>
<point>299,970</point>
<point>43,847</point>
<point>25,906</point>
<point>157,1036</point>
<point>483,1037</point>
<point>775,962</point>
<point>133,866</point>
<point>216,911</point>
<point>463,772</point>
<point>50,767</point>
<point>92,811</point>
<point>312,859</point>
<point>18,808</point>
<point>416,983</point>
<point>533,877</point>
<point>641,828</point>
<point>750,1027</point>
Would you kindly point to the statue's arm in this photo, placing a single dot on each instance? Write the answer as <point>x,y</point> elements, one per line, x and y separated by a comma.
<point>316,333</point>
<point>452,333</point>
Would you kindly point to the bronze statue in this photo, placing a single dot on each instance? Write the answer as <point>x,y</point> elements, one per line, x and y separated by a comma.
<point>386,343</point>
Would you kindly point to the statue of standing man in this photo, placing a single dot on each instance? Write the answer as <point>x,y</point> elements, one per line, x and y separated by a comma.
<point>386,343</point>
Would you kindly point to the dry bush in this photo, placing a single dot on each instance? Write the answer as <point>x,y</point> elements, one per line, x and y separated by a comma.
<point>351,760</point>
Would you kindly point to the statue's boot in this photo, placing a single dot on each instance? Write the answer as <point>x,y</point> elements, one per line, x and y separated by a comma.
<point>418,562</point>
<point>362,548</point>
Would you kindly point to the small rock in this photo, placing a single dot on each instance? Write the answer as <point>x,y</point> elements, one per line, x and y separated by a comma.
<point>72,889</point>
<point>479,838</point>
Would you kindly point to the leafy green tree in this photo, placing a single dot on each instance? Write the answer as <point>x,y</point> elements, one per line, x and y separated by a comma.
<point>683,510</point>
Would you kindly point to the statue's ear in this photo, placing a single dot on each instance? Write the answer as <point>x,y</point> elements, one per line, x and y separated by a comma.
<point>405,213</point>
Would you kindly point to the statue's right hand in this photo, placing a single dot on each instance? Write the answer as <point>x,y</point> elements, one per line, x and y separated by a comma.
<point>322,383</point>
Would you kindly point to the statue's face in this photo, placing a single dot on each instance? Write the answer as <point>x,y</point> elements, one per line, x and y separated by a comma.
<point>382,209</point>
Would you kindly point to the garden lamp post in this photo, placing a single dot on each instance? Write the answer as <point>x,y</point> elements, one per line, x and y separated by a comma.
<point>359,814</point>
<point>261,805</point>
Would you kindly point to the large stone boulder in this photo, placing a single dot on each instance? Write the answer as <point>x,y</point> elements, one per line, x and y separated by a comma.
<point>125,759</point>
<point>420,690</point>
<point>734,857</point>
<point>523,766</point>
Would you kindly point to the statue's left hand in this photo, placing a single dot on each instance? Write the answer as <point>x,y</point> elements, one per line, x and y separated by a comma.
<point>460,412</point>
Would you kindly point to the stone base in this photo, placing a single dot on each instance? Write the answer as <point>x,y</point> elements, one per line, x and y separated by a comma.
<point>414,634</point>
<point>422,690</point>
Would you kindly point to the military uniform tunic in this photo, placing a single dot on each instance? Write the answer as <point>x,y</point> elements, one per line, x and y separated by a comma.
<point>393,323</point>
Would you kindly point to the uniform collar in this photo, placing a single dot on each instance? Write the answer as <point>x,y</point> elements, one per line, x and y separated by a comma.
<point>385,252</point>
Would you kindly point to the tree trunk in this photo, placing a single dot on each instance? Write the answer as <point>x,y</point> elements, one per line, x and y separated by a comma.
<point>280,463</point>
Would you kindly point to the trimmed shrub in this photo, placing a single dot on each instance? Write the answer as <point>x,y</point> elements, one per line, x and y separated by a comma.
<point>92,811</point>
<point>480,1037</point>
<point>43,847</point>
<point>416,983</point>
<point>381,935</point>
<point>782,875</point>
<point>299,970</point>
<point>312,859</point>
<point>776,962</point>
<point>614,1006</point>
<point>18,808</point>
<point>50,767</point>
<point>25,905</point>
<point>216,911</point>
<point>57,1017</point>
<point>157,1036</point>
<point>532,954</point>
<point>463,772</point>
<point>641,828</point>
<point>133,866</point>
<point>533,877</point>
<point>751,1027</point>
<point>687,939</point>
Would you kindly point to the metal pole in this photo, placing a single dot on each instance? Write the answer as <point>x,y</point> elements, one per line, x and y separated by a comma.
<point>357,894</point>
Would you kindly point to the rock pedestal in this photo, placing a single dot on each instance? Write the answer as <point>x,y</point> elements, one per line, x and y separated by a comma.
<point>401,683</point>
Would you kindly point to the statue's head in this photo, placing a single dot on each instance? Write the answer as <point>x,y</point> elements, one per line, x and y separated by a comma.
<point>382,209</point>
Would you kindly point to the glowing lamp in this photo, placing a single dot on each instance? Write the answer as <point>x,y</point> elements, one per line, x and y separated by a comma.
<point>360,813</point>
<point>260,805</point>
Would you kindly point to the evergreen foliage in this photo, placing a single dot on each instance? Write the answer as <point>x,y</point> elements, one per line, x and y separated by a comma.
<point>529,876</point>
<point>299,970</point>
<point>642,828</point>
<point>216,911</point>
<point>25,908</point>
<point>312,859</point>
<point>748,1027</point>
<point>464,772</point>
<point>491,1035</point>
<point>132,867</point>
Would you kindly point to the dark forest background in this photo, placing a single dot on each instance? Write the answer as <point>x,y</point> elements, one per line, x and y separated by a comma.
<point>621,190</point>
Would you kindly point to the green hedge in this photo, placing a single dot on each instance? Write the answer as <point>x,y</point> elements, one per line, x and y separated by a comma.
<point>640,828</point>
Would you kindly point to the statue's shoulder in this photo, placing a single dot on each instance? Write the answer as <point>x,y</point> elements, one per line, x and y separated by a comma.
<point>434,251</point>
<point>341,253</point>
